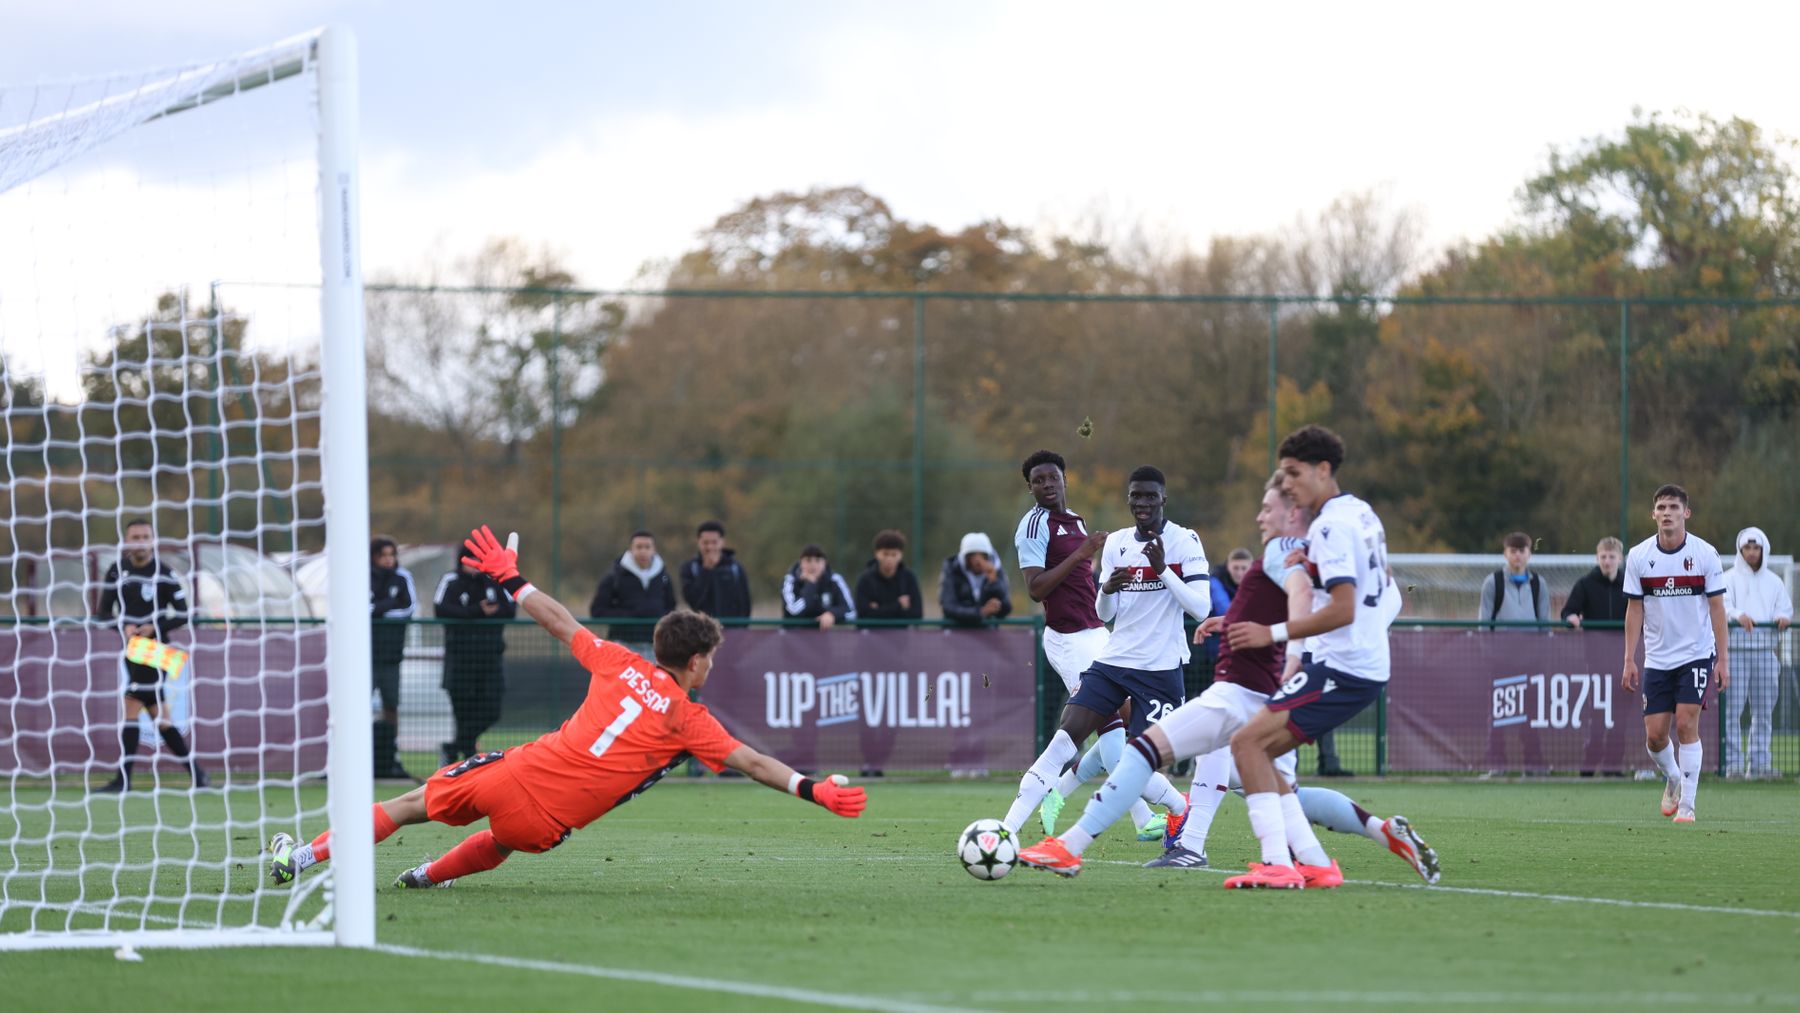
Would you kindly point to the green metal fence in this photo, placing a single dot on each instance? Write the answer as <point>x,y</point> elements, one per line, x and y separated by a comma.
<point>826,416</point>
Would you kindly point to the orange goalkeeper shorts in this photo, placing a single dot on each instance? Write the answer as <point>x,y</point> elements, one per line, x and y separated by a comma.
<point>481,786</point>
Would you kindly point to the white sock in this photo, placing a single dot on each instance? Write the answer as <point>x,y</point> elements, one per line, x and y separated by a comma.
<point>303,858</point>
<point>1092,765</point>
<point>1266,823</point>
<point>1158,791</point>
<point>1692,753</point>
<point>1665,760</point>
<point>1212,776</point>
<point>1300,834</point>
<point>1140,813</point>
<point>1076,840</point>
<point>1037,780</point>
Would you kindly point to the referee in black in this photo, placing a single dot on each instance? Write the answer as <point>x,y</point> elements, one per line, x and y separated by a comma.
<point>146,599</point>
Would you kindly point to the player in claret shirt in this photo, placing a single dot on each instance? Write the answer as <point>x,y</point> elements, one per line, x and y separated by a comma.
<point>1674,587</point>
<point>635,725</point>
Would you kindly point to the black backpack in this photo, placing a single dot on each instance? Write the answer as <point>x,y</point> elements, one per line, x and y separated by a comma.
<point>1537,591</point>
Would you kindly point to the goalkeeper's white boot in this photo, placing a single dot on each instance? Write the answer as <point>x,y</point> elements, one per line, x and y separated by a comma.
<point>281,859</point>
<point>415,879</point>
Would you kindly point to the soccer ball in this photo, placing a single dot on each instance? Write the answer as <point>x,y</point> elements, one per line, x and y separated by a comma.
<point>987,849</point>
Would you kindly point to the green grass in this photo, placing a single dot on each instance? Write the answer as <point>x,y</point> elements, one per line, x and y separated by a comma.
<point>728,881</point>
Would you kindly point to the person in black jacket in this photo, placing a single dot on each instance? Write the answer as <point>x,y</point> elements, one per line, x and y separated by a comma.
<point>1600,594</point>
<point>887,589</point>
<point>714,582</point>
<point>972,589</point>
<point>637,587</point>
<point>473,677</point>
<point>147,599</point>
<point>813,590</point>
<point>391,598</point>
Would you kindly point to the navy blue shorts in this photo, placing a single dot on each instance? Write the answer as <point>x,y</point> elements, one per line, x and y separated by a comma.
<point>1318,699</point>
<point>1666,687</point>
<point>1104,688</point>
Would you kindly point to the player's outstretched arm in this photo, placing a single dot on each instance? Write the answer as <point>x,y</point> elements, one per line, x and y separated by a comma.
<point>485,553</point>
<point>830,793</point>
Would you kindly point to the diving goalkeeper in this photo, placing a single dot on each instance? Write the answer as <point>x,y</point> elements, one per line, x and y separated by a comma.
<point>635,725</point>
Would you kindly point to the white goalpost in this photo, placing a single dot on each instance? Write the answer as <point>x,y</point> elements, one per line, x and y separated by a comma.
<point>167,459</point>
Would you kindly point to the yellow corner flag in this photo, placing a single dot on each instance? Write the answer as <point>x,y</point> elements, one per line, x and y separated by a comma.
<point>156,654</point>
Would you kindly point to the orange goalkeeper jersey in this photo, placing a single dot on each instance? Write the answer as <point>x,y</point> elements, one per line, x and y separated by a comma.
<point>635,726</point>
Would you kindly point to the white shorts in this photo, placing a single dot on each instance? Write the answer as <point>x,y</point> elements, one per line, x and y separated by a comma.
<point>1207,722</point>
<point>1074,653</point>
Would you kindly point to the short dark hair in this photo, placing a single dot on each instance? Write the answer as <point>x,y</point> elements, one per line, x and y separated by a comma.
<point>1311,444</point>
<point>379,543</point>
<point>1147,473</point>
<point>1240,553</point>
<point>641,533</point>
<point>890,539</point>
<point>682,634</point>
<point>138,522</point>
<point>706,526</point>
<point>1669,490</point>
<point>812,551</point>
<point>1043,457</point>
<point>1517,540</point>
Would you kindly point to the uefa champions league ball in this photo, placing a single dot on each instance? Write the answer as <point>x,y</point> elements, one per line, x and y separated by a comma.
<point>987,849</point>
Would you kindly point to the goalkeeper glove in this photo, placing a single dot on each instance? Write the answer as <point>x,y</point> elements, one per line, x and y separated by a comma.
<point>490,557</point>
<point>832,794</point>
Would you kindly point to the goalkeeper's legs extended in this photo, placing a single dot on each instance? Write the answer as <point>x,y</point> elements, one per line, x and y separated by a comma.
<point>389,817</point>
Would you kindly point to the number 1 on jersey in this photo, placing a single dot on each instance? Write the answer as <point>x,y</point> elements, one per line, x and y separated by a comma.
<point>628,712</point>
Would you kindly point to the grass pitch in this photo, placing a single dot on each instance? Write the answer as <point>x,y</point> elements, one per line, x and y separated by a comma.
<point>726,896</point>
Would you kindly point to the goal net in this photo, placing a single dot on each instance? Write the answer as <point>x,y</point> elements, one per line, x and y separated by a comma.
<point>168,698</point>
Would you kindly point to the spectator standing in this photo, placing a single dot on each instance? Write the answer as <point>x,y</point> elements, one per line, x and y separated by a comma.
<point>147,599</point>
<point>474,641</point>
<point>972,589</point>
<point>637,587</point>
<point>1230,574</point>
<point>1759,610</point>
<point>714,582</point>
<point>1600,594</point>
<point>1514,594</point>
<point>887,589</point>
<point>392,598</point>
<point>813,590</point>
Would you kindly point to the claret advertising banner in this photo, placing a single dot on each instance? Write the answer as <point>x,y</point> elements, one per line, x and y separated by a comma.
<point>1517,700</point>
<point>909,698</point>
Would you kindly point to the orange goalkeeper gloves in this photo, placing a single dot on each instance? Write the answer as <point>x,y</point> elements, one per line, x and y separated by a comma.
<point>833,795</point>
<point>490,557</point>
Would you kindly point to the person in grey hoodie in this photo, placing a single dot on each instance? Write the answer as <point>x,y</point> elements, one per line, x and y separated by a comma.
<point>1759,610</point>
<point>1514,593</point>
<point>638,587</point>
<point>972,588</point>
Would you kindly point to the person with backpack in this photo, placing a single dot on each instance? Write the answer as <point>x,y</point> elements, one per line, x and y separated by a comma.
<point>1514,594</point>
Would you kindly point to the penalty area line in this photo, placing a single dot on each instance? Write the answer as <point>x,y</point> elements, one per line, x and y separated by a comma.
<point>746,988</point>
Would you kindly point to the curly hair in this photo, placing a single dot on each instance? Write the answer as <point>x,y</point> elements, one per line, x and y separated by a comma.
<point>682,634</point>
<point>1043,457</point>
<point>1314,443</point>
<point>1147,473</point>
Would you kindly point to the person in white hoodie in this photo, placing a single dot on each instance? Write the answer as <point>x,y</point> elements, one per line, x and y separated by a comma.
<point>1759,609</point>
<point>972,587</point>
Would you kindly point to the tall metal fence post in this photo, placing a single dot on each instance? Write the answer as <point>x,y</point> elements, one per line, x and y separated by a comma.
<point>1624,422</point>
<point>1043,669</point>
<point>918,461</point>
<point>1274,308</point>
<point>555,441</point>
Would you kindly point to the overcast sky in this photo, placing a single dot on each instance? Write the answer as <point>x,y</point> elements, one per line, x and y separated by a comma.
<point>614,132</point>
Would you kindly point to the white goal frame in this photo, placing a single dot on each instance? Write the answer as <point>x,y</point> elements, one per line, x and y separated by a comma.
<point>349,881</point>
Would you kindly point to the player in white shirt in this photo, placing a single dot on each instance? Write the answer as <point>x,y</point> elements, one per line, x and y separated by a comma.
<point>1143,657</point>
<point>1055,553</point>
<point>1674,588</point>
<point>1347,666</point>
